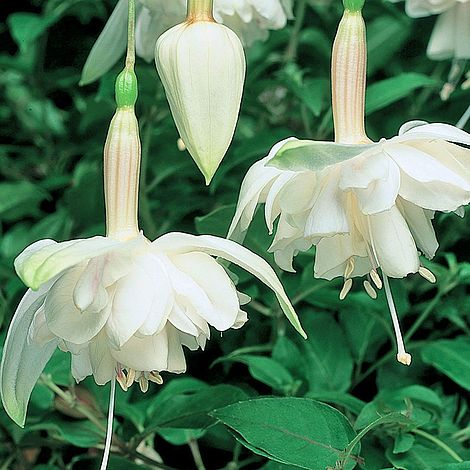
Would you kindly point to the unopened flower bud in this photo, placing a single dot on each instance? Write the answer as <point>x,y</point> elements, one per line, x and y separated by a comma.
<point>202,66</point>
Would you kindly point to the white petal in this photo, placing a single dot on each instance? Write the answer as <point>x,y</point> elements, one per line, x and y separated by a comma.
<point>22,361</point>
<point>64,319</point>
<point>419,222</point>
<point>176,359</point>
<point>81,365</point>
<point>257,180</point>
<point>45,259</point>
<point>272,207</point>
<point>89,289</point>
<point>327,216</point>
<point>135,299</point>
<point>102,363</point>
<point>109,46</point>
<point>451,34</point>
<point>393,244</point>
<point>231,251</point>
<point>332,254</point>
<point>214,281</point>
<point>163,299</point>
<point>145,354</point>
<point>434,131</point>
<point>375,181</point>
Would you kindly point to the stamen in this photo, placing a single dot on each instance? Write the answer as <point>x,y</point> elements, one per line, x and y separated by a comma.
<point>349,268</point>
<point>109,428</point>
<point>346,288</point>
<point>155,377</point>
<point>143,383</point>
<point>428,275</point>
<point>376,279</point>
<point>369,289</point>
<point>121,378</point>
<point>130,377</point>
<point>402,355</point>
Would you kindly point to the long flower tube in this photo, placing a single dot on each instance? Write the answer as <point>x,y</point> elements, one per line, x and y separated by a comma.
<point>123,306</point>
<point>366,206</point>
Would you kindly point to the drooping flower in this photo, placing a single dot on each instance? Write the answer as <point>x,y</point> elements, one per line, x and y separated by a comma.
<point>250,19</point>
<point>450,38</point>
<point>123,306</point>
<point>451,34</point>
<point>202,66</point>
<point>364,205</point>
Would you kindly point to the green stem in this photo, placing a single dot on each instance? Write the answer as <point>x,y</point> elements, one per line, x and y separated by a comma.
<point>390,418</point>
<point>130,56</point>
<point>72,402</point>
<point>439,443</point>
<point>193,445</point>
<point>291,51</point>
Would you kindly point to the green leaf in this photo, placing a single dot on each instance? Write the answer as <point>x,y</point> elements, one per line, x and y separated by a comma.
<point>420,457</point>
<point>416,402</point>
<point>403,443</point>
<point>302,155</point>
<point>388,91</point>
<point>192,411</point>
<point>266,370</point>
<point>294,431</point>
<point>78,433</point>
<point>385,37</point>
<point>327,354</point>
<point>451,357</point>
<point>26,28</point>
<point>19,199</point>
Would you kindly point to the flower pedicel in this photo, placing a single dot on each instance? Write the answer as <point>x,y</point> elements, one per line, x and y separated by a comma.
<point>365,205</point>
<point>123,306</point>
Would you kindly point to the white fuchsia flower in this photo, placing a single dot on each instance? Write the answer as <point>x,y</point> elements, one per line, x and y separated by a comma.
<point>364,205</point>
<point>451,34</point>
<point>202,67</point>
<point>250,19</point>
<point>123,306</point>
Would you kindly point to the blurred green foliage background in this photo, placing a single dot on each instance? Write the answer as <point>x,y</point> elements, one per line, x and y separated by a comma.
<point>51,138</point>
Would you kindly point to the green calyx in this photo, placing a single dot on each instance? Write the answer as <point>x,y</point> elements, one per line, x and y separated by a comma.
<point>126,88</point>
<point>353,5</point>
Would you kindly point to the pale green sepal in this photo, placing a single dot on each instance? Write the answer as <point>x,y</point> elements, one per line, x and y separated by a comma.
<point>234,253</point>
<point>310,155</point>
<point>22,361</point>
<point>44,259</point>
<point>109,47</point>
<point>126,88</point>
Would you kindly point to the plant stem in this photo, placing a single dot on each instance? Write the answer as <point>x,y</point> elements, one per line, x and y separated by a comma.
<point>291,51</point>
<point>439,443</point>
<point>193,445</point>
<point>130,56</point>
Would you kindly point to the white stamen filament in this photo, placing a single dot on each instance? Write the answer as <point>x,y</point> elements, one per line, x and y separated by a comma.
<point>109,430</point>
<point>369,289</point>
<point>428,275</point>
<point>402,355</point>
<point>346,288</point>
